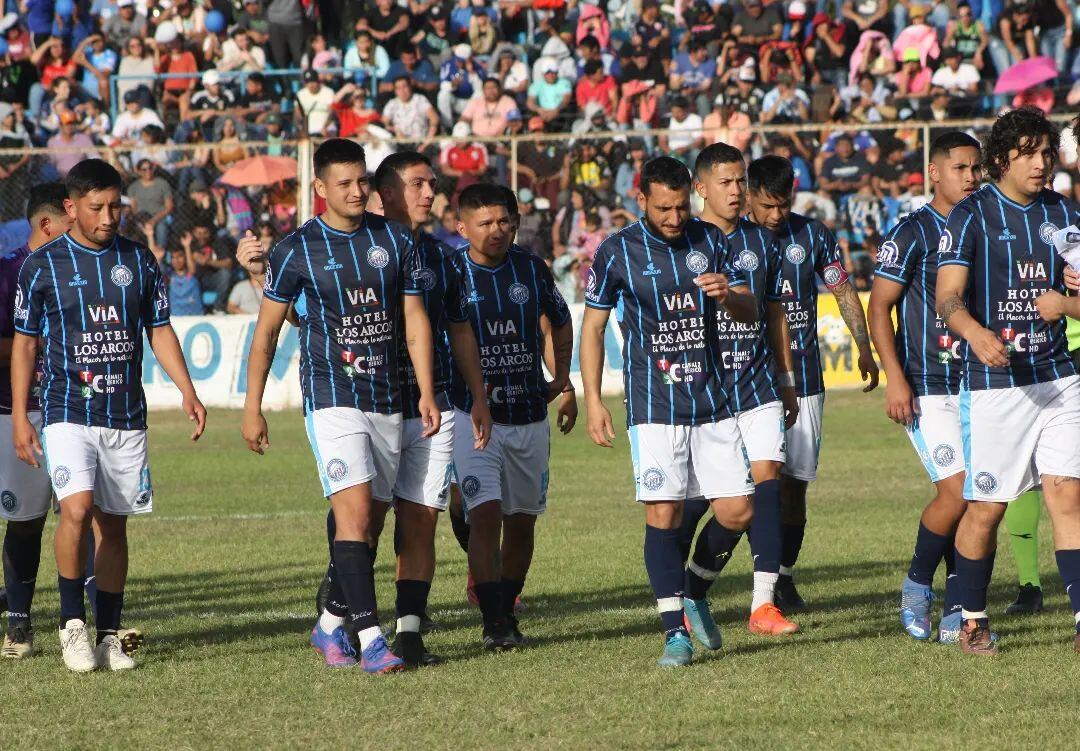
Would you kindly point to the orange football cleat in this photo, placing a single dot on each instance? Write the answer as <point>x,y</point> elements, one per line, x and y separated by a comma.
<point>767,620</point>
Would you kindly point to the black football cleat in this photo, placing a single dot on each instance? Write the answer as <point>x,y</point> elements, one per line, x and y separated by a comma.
<point>787,596</point>
<point>409,646</point>
<point>427,624</point>
<point>1029,600</point>
<point>499,638</point>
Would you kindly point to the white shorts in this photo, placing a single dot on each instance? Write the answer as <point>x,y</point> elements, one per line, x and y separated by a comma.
<point>1013,436</point>
<point>512,469</point>
<point>673,462</point>
<point>426,465</point>
<point>762,431</point>
<point>935,434</point>
<point>804,440</point>
<point>353,447</point>
<point>25,492</point>
<point>113,464</point>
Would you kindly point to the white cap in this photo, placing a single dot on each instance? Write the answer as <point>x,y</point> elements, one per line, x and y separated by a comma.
<point>166,33</point>
<point>796,9</point>
<point>1063,183</point>
<point>125,3</point>
<point>462,51</point>
<point>211,78</point>
<point>461,130</point>
<point>747,74</point>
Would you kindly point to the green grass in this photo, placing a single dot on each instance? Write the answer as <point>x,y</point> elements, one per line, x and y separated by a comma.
<point>224,572</point>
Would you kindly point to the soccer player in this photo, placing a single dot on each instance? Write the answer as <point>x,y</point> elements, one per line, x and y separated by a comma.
<point>506,291</point>
<point>922,394</point>
<point>999,288</point>
<point>90,295</point>
<point>354,271</point>
<point>810,251</point>
<point>757,359</point>
<point>667,276</point>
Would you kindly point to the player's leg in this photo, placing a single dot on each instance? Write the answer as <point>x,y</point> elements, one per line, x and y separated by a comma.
<point>1022,523</point>
<point>800,469</point>
<point>1063,503</point>
<point>694,509</point>
<point>976,548</point>
<point>766,541</point>
<point>519,540</point>
<point>130,638</point>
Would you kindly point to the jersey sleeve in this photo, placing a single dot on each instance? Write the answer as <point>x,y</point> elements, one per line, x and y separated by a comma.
<point>412,260</point>
<point>29,307</point>
<point>957,244</point>
<point>897,255</point>
<point>552,303</point>
<point>457,303</point>
<point>827,262</point>
<point>155,304</point>
<point>774,270</point>
<point>602,283</point>
<point>282,282</point>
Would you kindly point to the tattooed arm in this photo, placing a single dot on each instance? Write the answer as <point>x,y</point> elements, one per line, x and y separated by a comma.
<point>951,284</point>
<point>847,299</point>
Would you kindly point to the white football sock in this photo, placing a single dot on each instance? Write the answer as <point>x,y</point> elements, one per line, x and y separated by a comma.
<point>367,636</point>
<point>786,571</point>
<point>328,621</point>
<point>764,583</point>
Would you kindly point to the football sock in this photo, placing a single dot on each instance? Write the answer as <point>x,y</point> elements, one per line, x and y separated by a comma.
<point>764,586</point>
<point>511,588</point>
<point>974,576</point>
<point>71,600</point>
<point>664,564</point>
<point>356,576</point>
<point>89,579</point>
<point>712,552</point>
<point>461,531</point>
<point>110,605</point>
<point>791,543</point>
<point>693,510</point>
<point>328,621</point>
<point>490,596</point>
<point>22,554</point>
<point>1068,562</point>
<point>1022,521</point>
<point>952,585</point>
<point>412,596</point>
<point>930,549</point>
<point>765,528</point>
<point>335,597</point>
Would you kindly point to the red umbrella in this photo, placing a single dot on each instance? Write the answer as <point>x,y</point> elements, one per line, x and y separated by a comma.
<point>1026,74</point>
<point>260,170</point>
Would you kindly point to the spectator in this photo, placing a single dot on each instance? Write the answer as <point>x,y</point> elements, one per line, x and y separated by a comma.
<point>213,264</point>
<point>628,176</point>
<point>958,78</point>
<point>1055,21</point>
<point>651,33</point>
<point>130,123</point>
<point>531,232</point>
<point>213,102</point>
<point>460,78</point>
<point>98,63</point>
<point>512,73</point>
<point>408,114</point>
<point>743,94</point>
<point>124,25</point>
<point>321,55</point>
<point>254,22</point>
<point>588,171</point>
<point>366,60</point>
<point>754,25</point>
<point>1014,39</point>
<point>873,55</point>
<point>417,69</point>
<point>230,149</point>
<point>584,242</point>
<point>140,59</point>
<point>239,53</point>
<point>728,125</point>
<point>845,172</point>
<point>352,107</point>
<point>185,294</point>
<point>644,66</point>
<point>886,178</point>
<point>176,92</point>
<point>96,122</point>
<point>464,162</point>
<point>188,19</point>
<point>313,103</point>
<point>434,37</point>
<point>388,24</point>
<point>285,19</point>
<point>52,60</point>
<point>571,217</point>
<point>865,15</point>
<point>688,138</point>
<point>151,201</point>
<point>550,95</point>
<point>693,75</point>
<point>825,51</point>
<point>487,114</point>
<point>255,103</point>
<point>596,87</point>
<point>566,270</point>
<point>200,207</point>
<point>968,34</point>
<point>483,35</point>
<point>785,103</point>
<point>920,35</point>
<point>447,230</point>
<point>61,146</point>
<point>246,295</point>
<point>913,80</point>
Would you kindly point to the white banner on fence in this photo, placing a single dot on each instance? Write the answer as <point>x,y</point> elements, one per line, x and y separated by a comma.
<point>216,348</point>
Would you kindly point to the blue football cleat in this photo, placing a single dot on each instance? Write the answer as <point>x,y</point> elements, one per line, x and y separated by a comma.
<point>335,647</point>
<point>700,623</point>
<point>915,600</point>
<point>678,651</point>
<point>378,658</point>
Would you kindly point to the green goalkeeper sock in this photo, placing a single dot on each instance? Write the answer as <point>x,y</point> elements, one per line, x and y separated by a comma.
<point>1022,521</point>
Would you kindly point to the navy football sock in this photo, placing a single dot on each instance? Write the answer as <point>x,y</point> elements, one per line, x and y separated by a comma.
<point>974,576</point>
<point>490,596</point>
<point>110,607</point>
<point>71,600</point>
<point>412,595</point>
<point>89,578</point>
<point>791,543</point>
<point>930,549</point>
<point>765,529</point>
<point>461,531</point>
<point>664,564</point>
<point>1068,562</point>
<point>693,510</point>
<point>712,552</point>
<point>952,584</point>
<point>335,597</point>
<point>510,589</point>
<point>22,554</point>
<point>353,564</point>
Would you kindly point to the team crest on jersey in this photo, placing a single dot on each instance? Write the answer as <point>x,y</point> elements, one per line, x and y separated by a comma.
<point>653,478</point>
<point>337,470</point>
<point>268,282</point>
<point>425,279</point>
<point>9,501</point>
<point>378,257</point>
<point>1046,232</point>
<point>121,275</point>
<point>22,312</point>
<point>945,243</point>
<point>697,262</point>
<point>518,293</point>
<point>986,482</point>
<point>590,282</point>
<point>832,276</point>
<point>888,255</point>
<point>747,261</point>
<point>944,455</point>
<point>470,486</point>
<point>61,476</point>
<point>795,253</point>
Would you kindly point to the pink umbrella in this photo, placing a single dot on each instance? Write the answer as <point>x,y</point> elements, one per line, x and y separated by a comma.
<point>260,170</point>
<point>1026,74</point>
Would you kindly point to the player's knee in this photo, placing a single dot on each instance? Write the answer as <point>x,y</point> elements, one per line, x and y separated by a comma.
<point>485,518</point>
<point>75,512</point>
<point>985,515</point>
<point>764,471</point>
<point>738,517</point>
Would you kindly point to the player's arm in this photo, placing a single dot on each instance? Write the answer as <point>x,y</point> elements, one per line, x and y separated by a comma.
<point>24,349</point>
<point>1052,306</point>
<point>899,399</point>
<point>167,350</point>
<point>851,310</point>
<point>597,417</point>
<point>466,354</point>
<point>264,342</point>
<point>568,407</point>
<point>952,280</point>
<point>562,347</point>
<point>422,355</point>
<point>780,341</point>
<point>738,300</point>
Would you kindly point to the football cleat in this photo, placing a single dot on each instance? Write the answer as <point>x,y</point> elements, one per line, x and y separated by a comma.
<point>110,655</point>
<point>977,640</point>
<point>378,658</point>
<point>514,633</point>
<point>75,645</point>
<point>949,629</point>
<point>767,620</point>
<point>336,649</point>
<point>130,639</point>
<point>409,646</point>
<point>915,601</point>
<point>18,642</point>
<point>678,651</point>
<point>787,597</point>
<point>1029,600</point>
<point>699,622</point>
<point>427,624</point>
<point>499,637</point>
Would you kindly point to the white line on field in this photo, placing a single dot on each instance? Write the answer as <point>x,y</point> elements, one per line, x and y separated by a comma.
<point>235,517</point>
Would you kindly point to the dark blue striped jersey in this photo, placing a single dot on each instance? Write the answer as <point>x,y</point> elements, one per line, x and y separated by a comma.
<point>503,305</point>
<point>90,308</point>
<point>810,250</point>
<point>437,276</point>
<point>928,351</point>
<point>1010,253</point>
<point>349,287</point>
<point>671,350</point>
<point>745,350</point>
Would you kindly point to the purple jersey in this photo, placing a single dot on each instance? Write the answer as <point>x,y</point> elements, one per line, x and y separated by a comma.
<point>10,263</point>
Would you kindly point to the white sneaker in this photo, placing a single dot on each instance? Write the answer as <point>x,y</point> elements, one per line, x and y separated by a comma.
<point>75,644</point>
<point>110,655</point>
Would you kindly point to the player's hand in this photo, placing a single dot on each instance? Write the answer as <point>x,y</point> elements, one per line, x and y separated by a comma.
<point>430,416</point>
<point>790,400</point>
<point>250,254</point>
<point>989,348</point>
<point>256,434</point>
<point>1072,279</point>
<point>868,368</point>
<point>481,424</point>
<point>1051,305</point>
<point>555,388</point>
<point>27,443</point>
<point>568,412</point>
<point>714,285</point>
<point>899,401</point>
<point>196,412</point>
<point>598,425</point>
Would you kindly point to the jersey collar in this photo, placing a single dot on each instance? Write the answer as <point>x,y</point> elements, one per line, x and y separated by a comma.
<point>338,232</point>
<point>655,238</point>
<point>92,251</point>
<point>1011,202</point>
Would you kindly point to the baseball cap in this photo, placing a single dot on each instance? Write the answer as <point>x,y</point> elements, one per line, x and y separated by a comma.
<point>917,11</point>
<point>785,78</point>
<point>124,3</point>
<point>797,10</point>
<point>197,186</point>
<point>462,51</point>
<point>746,73</point>
<point>916,178</point>
<point>436,11</point>
<point>272,119</point>
<point>525,196</point>
<point>310,76</point>
<point>549,66</point>
<point>680,101</point>
<point>211,78</point>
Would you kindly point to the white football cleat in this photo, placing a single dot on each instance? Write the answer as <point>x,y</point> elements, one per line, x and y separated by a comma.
<point>110,654</point>
<point>75,645</point>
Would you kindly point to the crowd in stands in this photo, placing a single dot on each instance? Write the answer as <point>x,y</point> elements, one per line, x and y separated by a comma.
<point>175,92</point>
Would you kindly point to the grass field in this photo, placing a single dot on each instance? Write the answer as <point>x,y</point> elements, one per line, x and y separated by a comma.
<point>224,572</point>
